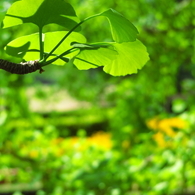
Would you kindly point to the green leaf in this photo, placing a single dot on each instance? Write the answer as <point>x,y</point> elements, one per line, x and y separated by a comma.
<point>131,57</point>
<point>122,29</point>
<point>93,58</point>
<point>40,13</point>
<point>16,51</point>
<point>28,46</point>
<point>21,45</point>
<point>119,59</point>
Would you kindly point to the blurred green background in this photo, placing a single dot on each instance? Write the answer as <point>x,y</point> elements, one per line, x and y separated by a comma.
<point>71,132</point>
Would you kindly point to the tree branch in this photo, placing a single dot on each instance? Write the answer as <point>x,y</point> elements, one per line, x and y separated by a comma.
<point>21,68</point>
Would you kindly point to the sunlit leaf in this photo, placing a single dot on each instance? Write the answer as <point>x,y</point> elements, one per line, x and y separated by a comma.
<point>41,12</point>
<point>122,29</point>
<point>119,60</point>
<point>56,37</point>
<point>21,45</point>
<point>28,46</point>
<point>131,57</point>
<point>93,58</point>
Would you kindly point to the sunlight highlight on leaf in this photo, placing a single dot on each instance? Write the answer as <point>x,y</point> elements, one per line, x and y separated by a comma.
<point>131,57</point>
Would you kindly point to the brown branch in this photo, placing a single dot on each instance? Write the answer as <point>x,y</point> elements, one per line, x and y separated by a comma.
<point>21,68</point>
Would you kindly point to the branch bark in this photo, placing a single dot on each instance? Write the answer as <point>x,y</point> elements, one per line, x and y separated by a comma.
<point>21,68</point>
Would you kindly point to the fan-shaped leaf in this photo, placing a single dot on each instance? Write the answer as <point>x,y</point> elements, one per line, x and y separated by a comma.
<point>92,58</point>
<point>41,12</point>
<point>122,29</point>
<point>131,57</point>
<point>119,60</point>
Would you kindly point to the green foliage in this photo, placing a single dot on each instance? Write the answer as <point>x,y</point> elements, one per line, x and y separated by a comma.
<point>36,46</point>
<point>128,54</point>
<point>148,119</point>
<point>122,29</point>
<point>40,13</point>
<point>131,55</point>
<point>31,43</point>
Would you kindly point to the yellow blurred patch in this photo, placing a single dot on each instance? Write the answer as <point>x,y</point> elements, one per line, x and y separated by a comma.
<point>34,154</point>
<point>165,128</point>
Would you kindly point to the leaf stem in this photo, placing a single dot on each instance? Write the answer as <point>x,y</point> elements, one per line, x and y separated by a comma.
<point>88,62</point>
<point>57,57</point>
<point>69,32</point>
<point>60,42</point>
<point>41,43</point>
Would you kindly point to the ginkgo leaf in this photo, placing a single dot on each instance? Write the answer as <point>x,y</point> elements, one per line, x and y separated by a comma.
<point>119,60</point>
<point>93,58</point>
<point>131,57</point>
<point>28,46</point>
<point>122,29</point>
<point>19,47</point>
<point>41,13</point>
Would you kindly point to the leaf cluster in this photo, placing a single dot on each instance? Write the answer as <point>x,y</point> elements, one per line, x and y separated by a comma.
<point>124,55</point>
